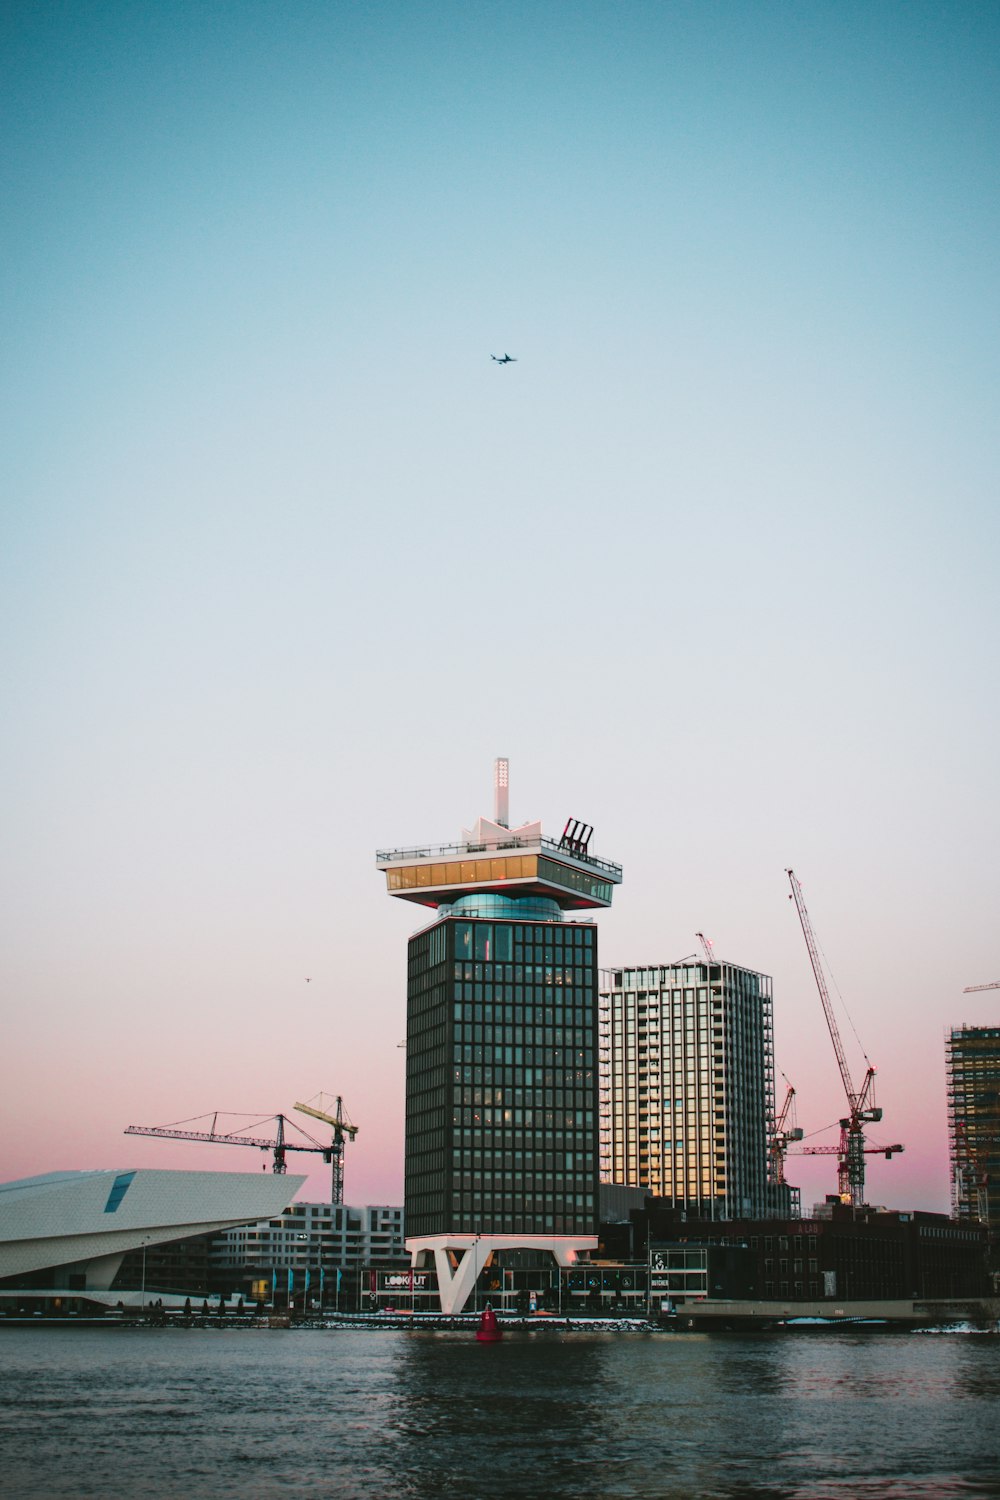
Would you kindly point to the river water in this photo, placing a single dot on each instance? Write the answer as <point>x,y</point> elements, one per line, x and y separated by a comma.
<point>203,1414</point>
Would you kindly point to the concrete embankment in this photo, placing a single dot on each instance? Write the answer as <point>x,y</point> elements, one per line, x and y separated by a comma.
<point>903,1313</point>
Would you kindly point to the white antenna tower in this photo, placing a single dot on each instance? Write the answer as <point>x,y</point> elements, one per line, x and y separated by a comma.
<point>501,773</point>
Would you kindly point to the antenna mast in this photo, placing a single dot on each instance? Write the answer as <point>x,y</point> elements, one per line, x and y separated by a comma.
<point>501,776</point>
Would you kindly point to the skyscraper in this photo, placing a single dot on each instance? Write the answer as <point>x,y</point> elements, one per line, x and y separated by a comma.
<point>501,1038</point>
<point>687,1087</point>
<point>972,1057</point>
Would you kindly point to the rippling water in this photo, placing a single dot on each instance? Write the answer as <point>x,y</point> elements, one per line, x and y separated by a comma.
<point>198,1414</point>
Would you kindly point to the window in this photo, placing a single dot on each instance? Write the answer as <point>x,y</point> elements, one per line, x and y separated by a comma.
<point>119,1188</point>
<point>463,940</point>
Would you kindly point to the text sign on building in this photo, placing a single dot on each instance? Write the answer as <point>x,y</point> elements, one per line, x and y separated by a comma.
<point>404,1281</point>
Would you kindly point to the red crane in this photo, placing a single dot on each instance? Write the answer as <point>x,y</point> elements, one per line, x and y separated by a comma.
<point>279,1145</point>
<point>852,1150</point>
<point>887,1151</point>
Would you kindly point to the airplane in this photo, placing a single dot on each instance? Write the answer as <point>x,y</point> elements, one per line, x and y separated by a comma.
<point>508,359</point>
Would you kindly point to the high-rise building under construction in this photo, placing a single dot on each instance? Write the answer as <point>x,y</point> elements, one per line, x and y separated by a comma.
<point>972,1057</point>
<point>687,1087</point>
<point>501,1045</point>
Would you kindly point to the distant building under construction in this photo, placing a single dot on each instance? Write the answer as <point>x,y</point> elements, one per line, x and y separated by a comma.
<point>972,1055</point>
<point>687,1088</point>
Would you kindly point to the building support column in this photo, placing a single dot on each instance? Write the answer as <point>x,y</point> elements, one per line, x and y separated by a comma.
<point>459,1258</point>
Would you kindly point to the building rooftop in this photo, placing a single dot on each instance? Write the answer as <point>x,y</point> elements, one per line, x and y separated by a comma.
<point>494,858</point>
<point>512,863</point>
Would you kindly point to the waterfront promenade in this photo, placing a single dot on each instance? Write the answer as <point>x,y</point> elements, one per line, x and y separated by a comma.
<point>716,1316</point>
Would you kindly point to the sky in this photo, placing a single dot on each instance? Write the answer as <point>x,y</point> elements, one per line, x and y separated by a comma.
<point>286,560</point>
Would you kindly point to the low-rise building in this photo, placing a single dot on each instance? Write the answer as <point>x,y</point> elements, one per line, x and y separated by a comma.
<point>312,1255</point>
<point>848,1254</point>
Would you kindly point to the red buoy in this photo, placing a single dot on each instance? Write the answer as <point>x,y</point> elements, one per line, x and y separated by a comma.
<point>489,1330</point>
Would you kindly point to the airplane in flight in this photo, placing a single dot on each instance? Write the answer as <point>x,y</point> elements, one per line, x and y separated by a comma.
<point>508,359</point>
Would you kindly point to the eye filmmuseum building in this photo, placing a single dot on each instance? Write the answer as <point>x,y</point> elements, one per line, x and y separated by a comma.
<point>501,1047</point>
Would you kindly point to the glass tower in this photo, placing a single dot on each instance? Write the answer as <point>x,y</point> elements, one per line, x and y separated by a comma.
<point>501,1045</point>
<point>502,1074</point>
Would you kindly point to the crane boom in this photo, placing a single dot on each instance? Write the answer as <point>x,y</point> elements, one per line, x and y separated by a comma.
<point>972,989</point>
<point>887,1151</point>
<point>780,1137</point>
<point>779,1123</point>
<point>824,993</point>
<point>342,1128</point>
<point>279,1145</point>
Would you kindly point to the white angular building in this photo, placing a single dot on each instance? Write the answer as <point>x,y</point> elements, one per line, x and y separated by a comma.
<point>71,1234</point>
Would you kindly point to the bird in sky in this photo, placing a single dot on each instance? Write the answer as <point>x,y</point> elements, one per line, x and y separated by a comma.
<point>508,359</point>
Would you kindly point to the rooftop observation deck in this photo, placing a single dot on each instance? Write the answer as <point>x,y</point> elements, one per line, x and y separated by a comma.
<point>516,866</point>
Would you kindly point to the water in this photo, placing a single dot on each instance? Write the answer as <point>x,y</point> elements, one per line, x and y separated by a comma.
<point>203,1414</point>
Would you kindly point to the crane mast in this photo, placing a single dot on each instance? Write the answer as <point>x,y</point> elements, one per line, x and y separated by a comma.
<point>852,1149</point>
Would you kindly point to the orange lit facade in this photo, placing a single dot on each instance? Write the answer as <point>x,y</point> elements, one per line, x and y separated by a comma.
<point>437,877</point>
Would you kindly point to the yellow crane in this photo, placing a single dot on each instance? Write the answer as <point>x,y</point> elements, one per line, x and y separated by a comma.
<point>343,1130</point>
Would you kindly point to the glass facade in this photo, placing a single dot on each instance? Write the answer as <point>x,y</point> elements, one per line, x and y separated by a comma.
<point>501,1087</point>
<point>687,1086</point>
<point>592,888</point>
<point>463,872</point>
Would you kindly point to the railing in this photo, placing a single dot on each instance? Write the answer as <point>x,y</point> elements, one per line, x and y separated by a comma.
<point>450,851</point>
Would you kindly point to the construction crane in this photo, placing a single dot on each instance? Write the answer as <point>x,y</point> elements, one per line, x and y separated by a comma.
<point>970,1172</point>
<point>342,1130</point>
<point>279,1145</point>
<point>852,1150</point>
<point>706,944</point>
<point>887,1151</point>
<point>971,989</point>
<point>781,1134</point>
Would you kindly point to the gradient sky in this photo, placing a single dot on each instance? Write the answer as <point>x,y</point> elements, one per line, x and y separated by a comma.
<point>287,560</point>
